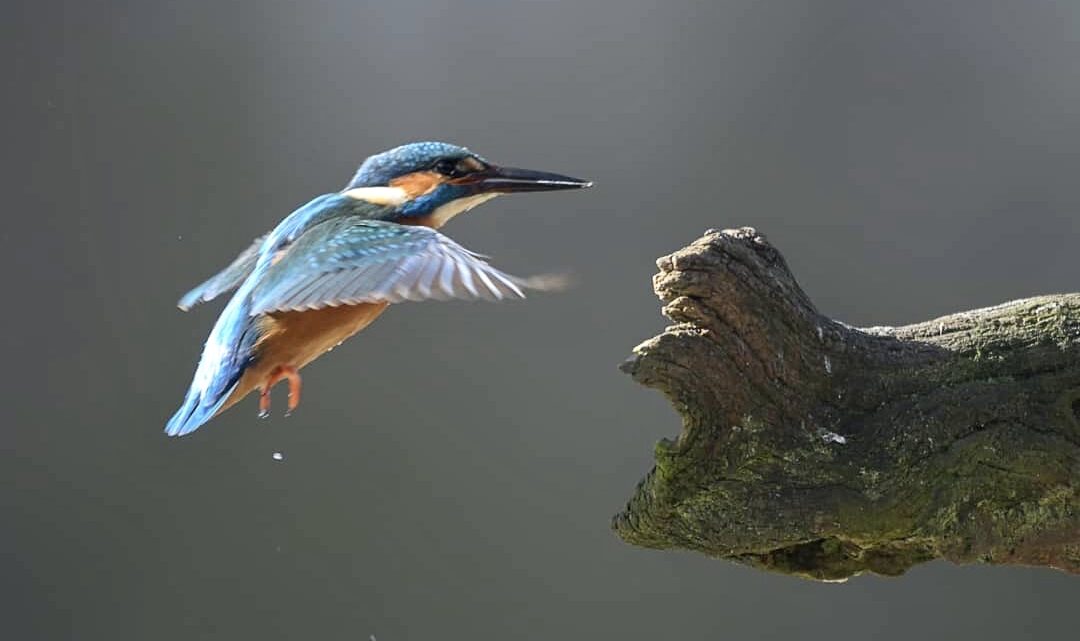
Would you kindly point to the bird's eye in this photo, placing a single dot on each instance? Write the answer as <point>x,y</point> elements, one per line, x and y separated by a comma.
<point>458,168</point>
<point>447,167</point>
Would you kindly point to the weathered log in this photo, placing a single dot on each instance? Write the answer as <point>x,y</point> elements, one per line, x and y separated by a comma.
<point>813,448</point>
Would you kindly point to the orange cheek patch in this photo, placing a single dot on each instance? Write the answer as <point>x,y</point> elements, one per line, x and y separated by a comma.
<point>418,183</point>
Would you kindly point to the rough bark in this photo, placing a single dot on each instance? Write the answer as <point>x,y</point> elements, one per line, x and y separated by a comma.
<point>813,448</point>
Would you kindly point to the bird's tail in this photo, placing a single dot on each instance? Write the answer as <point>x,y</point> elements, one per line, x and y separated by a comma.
<point>193,413</point>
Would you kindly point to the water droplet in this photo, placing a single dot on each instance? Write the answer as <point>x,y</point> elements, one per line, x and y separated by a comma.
<point>278,456</point>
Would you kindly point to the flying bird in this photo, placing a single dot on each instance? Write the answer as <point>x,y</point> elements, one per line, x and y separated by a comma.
<point>332,267</point>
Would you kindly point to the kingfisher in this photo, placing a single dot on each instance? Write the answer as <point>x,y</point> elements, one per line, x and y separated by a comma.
<point>331,267</point>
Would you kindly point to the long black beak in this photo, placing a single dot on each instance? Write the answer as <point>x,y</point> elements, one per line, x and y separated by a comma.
<point>504,180</point>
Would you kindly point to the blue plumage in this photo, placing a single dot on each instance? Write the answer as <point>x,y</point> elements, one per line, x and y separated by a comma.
<point>228,348</point>
<point>371,244</point>
<point>380,169</point>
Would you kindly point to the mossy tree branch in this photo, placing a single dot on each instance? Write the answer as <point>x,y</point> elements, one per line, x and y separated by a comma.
<point>813,448</point>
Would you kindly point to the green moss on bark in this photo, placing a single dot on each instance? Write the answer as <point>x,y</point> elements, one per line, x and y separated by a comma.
<point>812,448</point>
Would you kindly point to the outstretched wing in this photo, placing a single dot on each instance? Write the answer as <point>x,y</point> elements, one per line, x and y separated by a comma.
<point>351,260</point>
<point>225,280</point>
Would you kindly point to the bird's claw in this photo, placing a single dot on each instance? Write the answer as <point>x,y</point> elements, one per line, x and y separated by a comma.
<point>281,372</point>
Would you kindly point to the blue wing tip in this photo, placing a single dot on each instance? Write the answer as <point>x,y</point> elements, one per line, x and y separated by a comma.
<point>188,418</point>
<point>190,299</point>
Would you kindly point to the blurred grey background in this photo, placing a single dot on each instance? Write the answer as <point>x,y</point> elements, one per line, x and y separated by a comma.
<point>452,470</point>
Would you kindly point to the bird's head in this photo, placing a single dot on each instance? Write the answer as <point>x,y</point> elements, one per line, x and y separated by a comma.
<point>431,182</point>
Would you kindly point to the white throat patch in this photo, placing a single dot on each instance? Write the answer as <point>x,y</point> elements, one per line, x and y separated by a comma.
<point>453,208</point>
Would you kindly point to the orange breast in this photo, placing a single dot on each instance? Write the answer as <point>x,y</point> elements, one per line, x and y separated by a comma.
<point>297,338</point>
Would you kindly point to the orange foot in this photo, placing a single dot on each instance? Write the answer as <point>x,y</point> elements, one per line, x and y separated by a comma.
<point>278,374</point>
